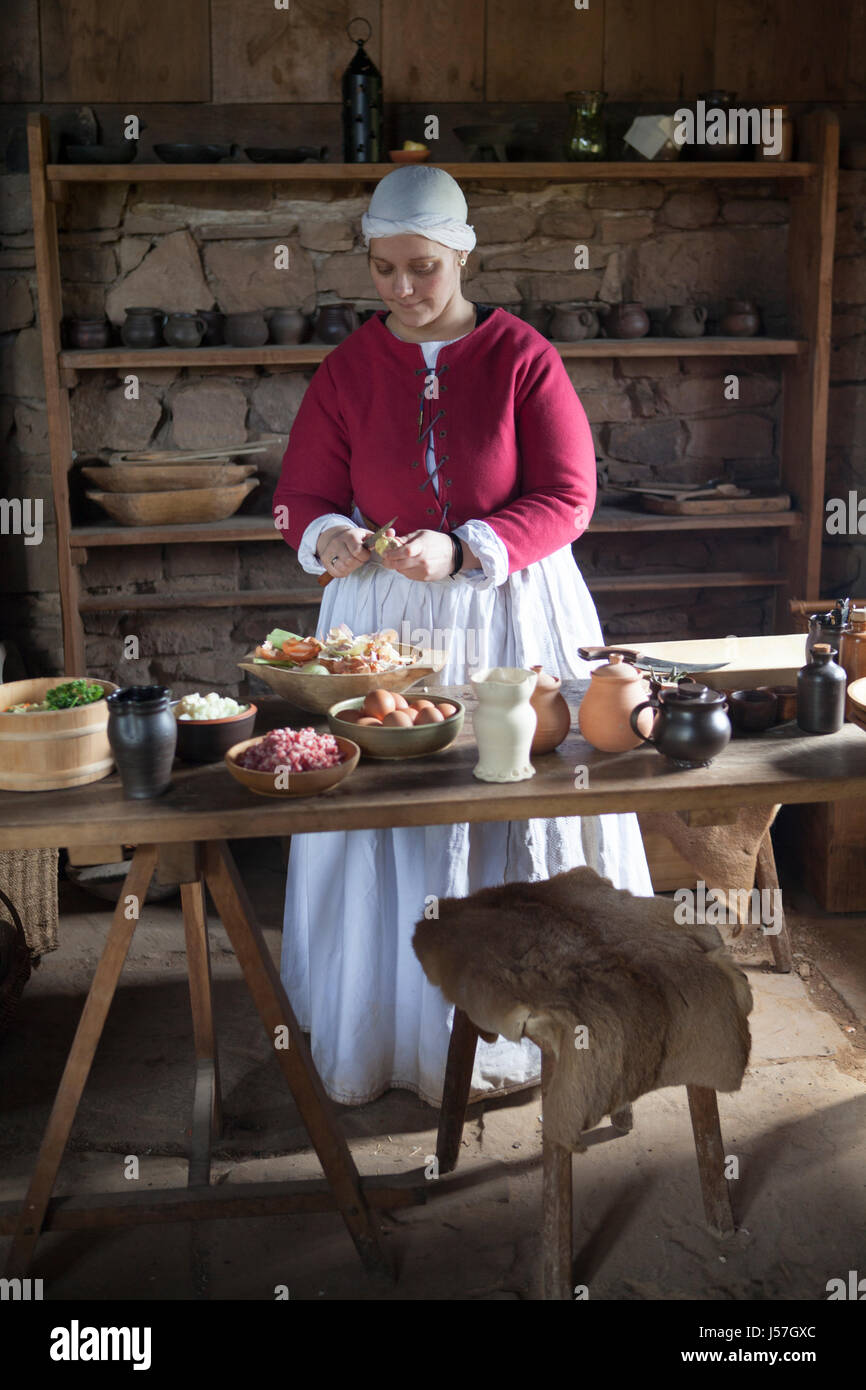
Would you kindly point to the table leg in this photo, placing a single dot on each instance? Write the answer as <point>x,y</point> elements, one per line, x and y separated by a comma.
<point>767,877</point>
<point>266,987</point>
<point>80,1059</point>
<point>455,1092</point>
<point>704,1110</point>
<point>556,1204</point>
<point>207,1107</point>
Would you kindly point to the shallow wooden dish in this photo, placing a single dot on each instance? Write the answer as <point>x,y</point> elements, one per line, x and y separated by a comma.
<point>52,749</point>
<point>174,508</point>
<point>300,783</point>
<point>151,477</point>
<point>417,742</point>
<point>319,693</point>
<point>857,696</point>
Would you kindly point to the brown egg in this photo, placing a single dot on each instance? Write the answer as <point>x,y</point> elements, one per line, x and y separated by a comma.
<point>397,719</point>
<point>422,704</point>
<point>379,703</point>
<point>368,721</point>
<point>400,701</point>
<point>412,713</point>
<point>350,716</point>
<point>446,710</point>
<point>429,716</point>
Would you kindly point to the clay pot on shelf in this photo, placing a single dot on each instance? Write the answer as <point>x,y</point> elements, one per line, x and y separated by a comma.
<point>246,329</point>
<point>615,690</point>
<point>334,322</point>
<point>536,314</point>
<point>286,325</point>
<point>572,323</point>
<point>740,320</point>
<point>214,325</point>
<point>686,321</point>
<point>142,328</point>
<point>551,711</point>
<point>183,330</point>
<point>629,320</point>
<point>88,333</point>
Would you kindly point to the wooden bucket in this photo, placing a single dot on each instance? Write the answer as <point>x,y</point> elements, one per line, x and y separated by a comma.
<point>53,748</point>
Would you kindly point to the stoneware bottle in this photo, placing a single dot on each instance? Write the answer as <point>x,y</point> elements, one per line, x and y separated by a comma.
<point>551,711</point>
<point>615,689</point>
<point>142,732</point>
<point>820,692</point>
<point>504,723</point>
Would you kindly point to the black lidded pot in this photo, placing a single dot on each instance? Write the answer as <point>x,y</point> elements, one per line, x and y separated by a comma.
<point>142,732</point>
<point>821,689</point>
<point>362,105</point>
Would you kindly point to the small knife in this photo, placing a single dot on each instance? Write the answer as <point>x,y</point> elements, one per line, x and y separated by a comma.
<point>369,541</point>
<point>649,663</point>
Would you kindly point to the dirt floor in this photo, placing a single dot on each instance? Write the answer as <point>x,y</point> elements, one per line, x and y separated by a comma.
<point>796,1127</point>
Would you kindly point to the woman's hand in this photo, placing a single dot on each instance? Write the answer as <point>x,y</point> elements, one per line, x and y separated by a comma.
<point>340,549</point>
<point>424,555</point>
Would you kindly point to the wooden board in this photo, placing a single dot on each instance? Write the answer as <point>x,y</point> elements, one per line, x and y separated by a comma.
<point>432,52</point>
<point>658,49</point>
<point>299,54</point>
<point>20,78</point>
<point>783,766</point>
<point>550,171</point>
<point>708,506</point>
<point>126,52</point>
<point>533,51</point>
<point>781,50</point>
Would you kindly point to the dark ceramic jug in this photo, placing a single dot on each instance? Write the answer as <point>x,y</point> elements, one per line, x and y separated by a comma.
<point>627,321</point>
<point>214,324</point>
<point>692,725</point>
<point>821,688</point>
<point>740,320</point>
<point>142,732</point>
<point>142,328</point>
<point>572,323</point>
<point>686,321</point>
<point>334,322</point>
<point>286,325</point>
<point>536,314</point>
<point>183,330</point>
<point>89,333</point>
<point>247,329</point>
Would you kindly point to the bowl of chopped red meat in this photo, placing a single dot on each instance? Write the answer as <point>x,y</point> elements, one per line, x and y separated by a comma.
<point>292,762</point>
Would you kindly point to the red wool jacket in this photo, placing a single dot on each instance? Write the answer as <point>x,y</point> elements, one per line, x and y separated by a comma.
<point>513,445</point>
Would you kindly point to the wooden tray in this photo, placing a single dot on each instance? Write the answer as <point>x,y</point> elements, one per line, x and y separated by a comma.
<point>168,508</point>
<point>716,506</point>
<point>155,477</point>
<point>189,455</point>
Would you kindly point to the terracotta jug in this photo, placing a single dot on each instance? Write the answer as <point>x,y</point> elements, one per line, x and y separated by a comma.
<point>741,319</point>
<point>616,688</point>
<point>687,321</point>
<point>551,710</point>
<point>627,321</point>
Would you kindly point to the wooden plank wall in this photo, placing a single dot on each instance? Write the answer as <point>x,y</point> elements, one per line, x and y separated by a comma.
<point>248,51</point>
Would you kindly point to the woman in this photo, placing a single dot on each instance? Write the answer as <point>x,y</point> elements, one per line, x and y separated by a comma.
<point>460,420</point>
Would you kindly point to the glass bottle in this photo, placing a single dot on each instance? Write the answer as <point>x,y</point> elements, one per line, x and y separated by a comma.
<point>362,105</point>
<point>587,135</point>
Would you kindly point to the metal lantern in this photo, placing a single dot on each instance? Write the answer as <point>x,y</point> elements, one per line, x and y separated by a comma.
<point>362,104</point>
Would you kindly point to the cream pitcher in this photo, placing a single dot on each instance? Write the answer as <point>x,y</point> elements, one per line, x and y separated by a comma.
<point>504,723</point>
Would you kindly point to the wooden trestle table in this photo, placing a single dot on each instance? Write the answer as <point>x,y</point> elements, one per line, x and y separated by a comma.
<point>183,836</point>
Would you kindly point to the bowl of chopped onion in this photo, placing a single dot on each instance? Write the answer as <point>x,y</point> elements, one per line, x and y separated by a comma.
<point>292,762</point>
<point>208,725</point>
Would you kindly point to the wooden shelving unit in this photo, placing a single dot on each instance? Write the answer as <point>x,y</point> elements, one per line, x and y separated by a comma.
<point>804,361</point>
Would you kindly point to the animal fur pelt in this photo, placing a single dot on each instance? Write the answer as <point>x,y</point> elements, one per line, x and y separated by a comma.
<point>663,1005</point>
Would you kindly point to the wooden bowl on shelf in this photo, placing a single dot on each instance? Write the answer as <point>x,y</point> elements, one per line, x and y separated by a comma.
<point>318,693</point>
<point>300,783</point>
<point>52,749</point>
<point>147,477</point>
<point>174,508</point>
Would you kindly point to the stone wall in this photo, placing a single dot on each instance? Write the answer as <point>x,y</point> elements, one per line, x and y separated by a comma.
<point>191,246</point>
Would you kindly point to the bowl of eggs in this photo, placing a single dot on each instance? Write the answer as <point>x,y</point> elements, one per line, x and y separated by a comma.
<point>387,724</point>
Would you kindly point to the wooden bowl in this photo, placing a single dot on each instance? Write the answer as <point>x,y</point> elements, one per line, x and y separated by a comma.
<point>752,711</point>
<point>319,693</point>
<point>300,783</point>
<point>857,696</point>
<point>174,508</point>
<point>418,742</point>
<point>408,156</point>
<point>208,740</point>
<point>150,477</point>
<point>53,748</point>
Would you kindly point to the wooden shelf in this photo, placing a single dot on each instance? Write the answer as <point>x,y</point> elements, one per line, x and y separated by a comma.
<point>310,354</point>
<point>615,583</point>
<point>571,171</point>
<point>242,598</point>
<point>620,519</point>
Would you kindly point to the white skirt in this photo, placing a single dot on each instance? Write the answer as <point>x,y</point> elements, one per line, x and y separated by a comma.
<point>353,897</point>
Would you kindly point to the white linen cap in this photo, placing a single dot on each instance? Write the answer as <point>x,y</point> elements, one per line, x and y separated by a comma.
<point>423,200</point>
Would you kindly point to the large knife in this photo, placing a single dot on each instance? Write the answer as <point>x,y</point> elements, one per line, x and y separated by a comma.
<point>662,664</point>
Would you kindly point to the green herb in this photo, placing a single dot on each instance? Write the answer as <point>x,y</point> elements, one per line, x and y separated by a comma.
<point>73,693</point>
